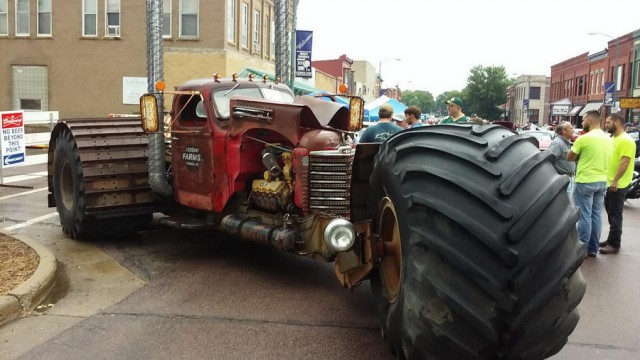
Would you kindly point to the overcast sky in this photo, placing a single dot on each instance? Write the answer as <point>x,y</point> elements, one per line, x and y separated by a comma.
<point>438,42</point>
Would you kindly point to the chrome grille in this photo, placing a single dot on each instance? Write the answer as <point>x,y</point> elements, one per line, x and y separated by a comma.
<point>330,182</point>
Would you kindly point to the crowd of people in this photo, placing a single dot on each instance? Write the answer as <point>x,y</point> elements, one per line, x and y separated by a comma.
<point>599,165</point>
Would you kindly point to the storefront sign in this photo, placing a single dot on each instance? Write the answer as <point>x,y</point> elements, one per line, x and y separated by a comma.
<point>12,149</point>
<point>630,102</point>
<point>560,109</point>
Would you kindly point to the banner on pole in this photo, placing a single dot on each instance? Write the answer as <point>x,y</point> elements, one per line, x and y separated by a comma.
<point>304,40</point>
<point>609,90</point>
<point>12,150</point>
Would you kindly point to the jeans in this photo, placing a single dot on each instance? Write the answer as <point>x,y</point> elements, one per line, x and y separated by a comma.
<point>572,185</point>
<point>614,204</point>
<point>589,198</point>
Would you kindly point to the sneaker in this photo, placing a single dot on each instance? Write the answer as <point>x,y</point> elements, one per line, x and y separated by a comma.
<point>603,243</point>
<point>609,250</point>
<point>590,255</point>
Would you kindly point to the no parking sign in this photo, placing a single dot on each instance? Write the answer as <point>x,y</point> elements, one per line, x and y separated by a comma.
<point>12,149</point>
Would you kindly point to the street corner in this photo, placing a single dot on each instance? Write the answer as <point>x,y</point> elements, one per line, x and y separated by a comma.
<point>27,295</point>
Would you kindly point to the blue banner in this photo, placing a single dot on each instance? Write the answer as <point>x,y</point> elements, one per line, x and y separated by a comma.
<point>304,40</point>
<point>609,90</point>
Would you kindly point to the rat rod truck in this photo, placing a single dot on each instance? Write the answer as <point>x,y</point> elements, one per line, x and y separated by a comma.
<point>465,231</point>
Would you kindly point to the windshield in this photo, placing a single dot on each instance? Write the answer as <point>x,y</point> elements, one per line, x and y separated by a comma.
<point>221,97</point>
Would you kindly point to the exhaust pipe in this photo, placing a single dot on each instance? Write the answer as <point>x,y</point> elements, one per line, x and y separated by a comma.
<point>278,237</point>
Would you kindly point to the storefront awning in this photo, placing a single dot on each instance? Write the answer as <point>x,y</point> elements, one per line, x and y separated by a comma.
<point>589,107</point>
<point>574,111</point>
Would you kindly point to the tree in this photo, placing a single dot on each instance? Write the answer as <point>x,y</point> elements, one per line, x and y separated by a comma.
<point>422,99</point>
<point>486,90</point>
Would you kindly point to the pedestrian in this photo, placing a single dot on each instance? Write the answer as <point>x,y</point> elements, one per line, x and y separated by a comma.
<point>412,116</point>
<point>593,151</point>
<point>560,147</point>
<point>454,110</point>
<point>399,120</point>
<point>383,129</point>
<point>618,180</point>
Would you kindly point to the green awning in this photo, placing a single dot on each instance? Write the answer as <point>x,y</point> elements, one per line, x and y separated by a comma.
<point>298,87</point>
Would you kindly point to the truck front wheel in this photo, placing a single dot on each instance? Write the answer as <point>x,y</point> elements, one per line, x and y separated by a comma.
<point>479,249</point>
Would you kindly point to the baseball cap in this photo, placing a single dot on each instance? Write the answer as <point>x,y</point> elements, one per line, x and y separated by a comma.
<point>398,117</point>
<point>455,100</point>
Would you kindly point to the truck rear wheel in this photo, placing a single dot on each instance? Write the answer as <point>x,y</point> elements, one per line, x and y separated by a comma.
<point>480,252</point>
<point>69,191</point>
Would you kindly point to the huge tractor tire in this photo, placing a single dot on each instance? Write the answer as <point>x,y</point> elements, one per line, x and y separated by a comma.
<point>479,252</point>
<point>69,193</point>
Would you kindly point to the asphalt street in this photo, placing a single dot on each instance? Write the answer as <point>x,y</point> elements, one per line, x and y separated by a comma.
<point>166,294</point>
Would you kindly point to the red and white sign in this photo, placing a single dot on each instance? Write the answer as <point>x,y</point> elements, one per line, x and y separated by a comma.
<point>12,151</point>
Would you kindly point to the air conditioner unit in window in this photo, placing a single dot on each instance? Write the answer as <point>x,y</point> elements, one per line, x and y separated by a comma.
<point>113,30</point>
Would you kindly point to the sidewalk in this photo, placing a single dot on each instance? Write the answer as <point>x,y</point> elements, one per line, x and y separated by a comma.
<point>26,296</point>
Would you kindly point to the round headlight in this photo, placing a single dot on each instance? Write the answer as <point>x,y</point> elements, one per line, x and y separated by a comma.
<point>339,235</point>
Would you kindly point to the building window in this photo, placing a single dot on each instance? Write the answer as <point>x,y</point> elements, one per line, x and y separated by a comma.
<point>4,18</point>
<point>166,19</point>
<point>89,17</point>
<point>30,87</point>
<point>619,77</point>
<point>272,43</point>
<point>245,26</point>
<point>637,73</point>
<point>112,18</point>
<point>601,86</point>
<point>265,36</point>
<point>593,82</point>
<point>44,17</point>
<point>231,21</point>
<point>534,92</point>
<point>22,17</point>
<point>256,31</point>
<point>189,10</point>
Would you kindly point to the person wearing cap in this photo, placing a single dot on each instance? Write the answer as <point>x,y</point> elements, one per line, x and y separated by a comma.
<point>383,129</point>
<point>400,120</point>
<point>454,109</point>
<point>412,116</point>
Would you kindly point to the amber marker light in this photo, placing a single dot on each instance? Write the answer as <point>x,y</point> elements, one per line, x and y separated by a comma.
<point>251,76</point>
<point>343,88</point>
<point>235,76</point>
<point>160,85</point>
<point>216,77</point>
<point>265,78</point>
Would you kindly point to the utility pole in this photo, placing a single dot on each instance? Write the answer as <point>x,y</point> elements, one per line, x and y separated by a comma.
<point>281,39</point>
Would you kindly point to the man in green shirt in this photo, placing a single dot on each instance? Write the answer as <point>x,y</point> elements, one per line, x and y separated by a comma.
<point>618,180</point>
<point>454,109</point>
<point>594,149</point>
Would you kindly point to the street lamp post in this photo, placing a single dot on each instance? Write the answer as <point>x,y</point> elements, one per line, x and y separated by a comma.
<point>380,69</point>
<point>615,74</point>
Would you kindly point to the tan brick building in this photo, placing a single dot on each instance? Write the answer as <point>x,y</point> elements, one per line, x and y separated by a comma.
<point>87,58</point>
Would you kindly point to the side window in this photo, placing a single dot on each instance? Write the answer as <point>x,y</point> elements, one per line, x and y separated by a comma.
<point>190,111</point>
<point>4,18</point>
<point>89,17</point>
<point>112,18</point>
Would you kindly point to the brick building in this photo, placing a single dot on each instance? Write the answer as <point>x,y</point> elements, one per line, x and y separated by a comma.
<point>578,83</point>
<point>88,57</point>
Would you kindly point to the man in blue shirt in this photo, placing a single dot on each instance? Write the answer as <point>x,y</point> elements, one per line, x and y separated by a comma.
<point>412,116</point>
<point>383,129</point>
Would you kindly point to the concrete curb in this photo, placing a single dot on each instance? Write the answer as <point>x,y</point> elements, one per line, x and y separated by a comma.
<point>26,296</point>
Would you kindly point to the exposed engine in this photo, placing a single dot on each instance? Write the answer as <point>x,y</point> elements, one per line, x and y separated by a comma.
<point>313,178</point>
<point>274,191</point>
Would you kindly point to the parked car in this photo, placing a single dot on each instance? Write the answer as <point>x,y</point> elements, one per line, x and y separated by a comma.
<point>544,137</point>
